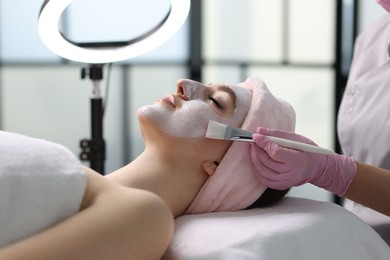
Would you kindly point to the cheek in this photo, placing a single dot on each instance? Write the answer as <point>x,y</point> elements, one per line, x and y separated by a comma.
<point>239,116</point>
<point>187,122</point>
<point>198,111</point>
<point>194,117</point>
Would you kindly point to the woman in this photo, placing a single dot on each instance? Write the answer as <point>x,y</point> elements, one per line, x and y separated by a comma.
<point>187,172</point>
<point>183,164</point>
<point>363,175</point>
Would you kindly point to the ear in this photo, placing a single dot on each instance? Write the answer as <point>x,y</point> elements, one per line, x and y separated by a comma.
<point>210,166</point>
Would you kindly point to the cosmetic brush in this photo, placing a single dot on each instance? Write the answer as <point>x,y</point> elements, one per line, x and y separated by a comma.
<point>220,131</point>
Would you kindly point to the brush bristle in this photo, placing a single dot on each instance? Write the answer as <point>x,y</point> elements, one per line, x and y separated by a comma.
<point>216,130</point>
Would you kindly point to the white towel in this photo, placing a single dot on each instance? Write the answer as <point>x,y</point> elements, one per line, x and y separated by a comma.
<point>41,183</point>
<point>295,229</point>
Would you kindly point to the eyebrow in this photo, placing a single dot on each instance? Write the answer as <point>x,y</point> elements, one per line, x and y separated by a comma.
<point>230,91</point>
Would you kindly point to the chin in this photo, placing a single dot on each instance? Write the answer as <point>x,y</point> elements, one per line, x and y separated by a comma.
<point>174,124</point>
<point>142,111</point>
<point>144,119</point>
<point>144,115</point>
<point>150,129</point>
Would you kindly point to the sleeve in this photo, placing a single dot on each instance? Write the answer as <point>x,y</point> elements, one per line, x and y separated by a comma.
<point>41,184</point>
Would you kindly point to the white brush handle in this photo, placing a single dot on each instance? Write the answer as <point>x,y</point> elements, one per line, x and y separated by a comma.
<point>294,145</point>
<point>300,146</point>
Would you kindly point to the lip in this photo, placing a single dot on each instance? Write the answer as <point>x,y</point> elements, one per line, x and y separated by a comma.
<point>170,100</point>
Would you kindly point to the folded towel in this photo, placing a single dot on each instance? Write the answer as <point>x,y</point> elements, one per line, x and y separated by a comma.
<point>41,183</point>
<point>294,229</point>
<point>233,186</point>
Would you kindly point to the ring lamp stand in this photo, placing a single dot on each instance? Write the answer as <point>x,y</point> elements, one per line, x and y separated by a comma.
<point>99,53</point>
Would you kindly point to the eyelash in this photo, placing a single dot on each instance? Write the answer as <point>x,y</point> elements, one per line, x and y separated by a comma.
<point>216,102</point>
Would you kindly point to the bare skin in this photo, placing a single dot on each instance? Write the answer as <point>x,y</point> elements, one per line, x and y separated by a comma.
<point>176,167</point>
<point>176,182</point>
<point>114,223</point>
<point>370,187</point>
<point>129,214</point>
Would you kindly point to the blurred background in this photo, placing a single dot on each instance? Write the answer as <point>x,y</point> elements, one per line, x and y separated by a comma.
<point>301,48</point>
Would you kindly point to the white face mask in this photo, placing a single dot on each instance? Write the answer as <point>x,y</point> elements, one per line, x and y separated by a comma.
<point>189,118</point>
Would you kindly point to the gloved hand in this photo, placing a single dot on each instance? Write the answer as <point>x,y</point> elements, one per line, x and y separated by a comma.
<point>385,4</point>
<point>281,168</point>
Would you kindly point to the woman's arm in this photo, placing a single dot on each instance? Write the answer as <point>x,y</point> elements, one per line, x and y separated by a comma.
<point>281,168</point>
<point>114,223</point>
<point>371,187</point>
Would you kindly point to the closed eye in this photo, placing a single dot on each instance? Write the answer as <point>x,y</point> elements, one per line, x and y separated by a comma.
<point>216,102</point>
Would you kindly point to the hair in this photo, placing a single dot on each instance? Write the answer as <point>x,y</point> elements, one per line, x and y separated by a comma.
<point>269,198</point>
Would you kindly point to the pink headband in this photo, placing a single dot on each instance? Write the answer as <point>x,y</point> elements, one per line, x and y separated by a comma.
<point>233,186</point>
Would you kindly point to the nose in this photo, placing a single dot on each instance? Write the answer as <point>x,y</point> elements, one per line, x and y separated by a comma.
<point>189,89</point>
<point>181,90</point>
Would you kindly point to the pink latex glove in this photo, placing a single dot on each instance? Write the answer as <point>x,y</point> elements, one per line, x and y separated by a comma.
<point>281,168</point>
<point>385,4</point>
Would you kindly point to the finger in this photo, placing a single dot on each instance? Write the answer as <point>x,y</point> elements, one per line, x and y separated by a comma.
<point>267,168</point>
<point>274,132</point>
<point>284,134</point>
<point>276,185</point>
<point>260,157</point>
<point>276,152</point>
<point>272,176</point>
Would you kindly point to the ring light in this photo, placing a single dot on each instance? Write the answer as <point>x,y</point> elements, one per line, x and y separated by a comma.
<point>54,40</point>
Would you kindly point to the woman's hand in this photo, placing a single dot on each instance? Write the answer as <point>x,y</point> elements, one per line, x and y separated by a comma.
<point>281,168</point>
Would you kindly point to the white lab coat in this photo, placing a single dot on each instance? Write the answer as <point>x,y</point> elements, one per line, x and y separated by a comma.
<point>364,115</point>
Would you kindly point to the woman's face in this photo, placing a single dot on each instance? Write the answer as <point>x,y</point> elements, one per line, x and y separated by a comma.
<point>186,112</point>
